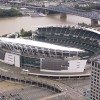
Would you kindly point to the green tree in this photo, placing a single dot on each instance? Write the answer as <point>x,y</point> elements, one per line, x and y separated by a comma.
<point>24,33</point>
<point>9,12</point>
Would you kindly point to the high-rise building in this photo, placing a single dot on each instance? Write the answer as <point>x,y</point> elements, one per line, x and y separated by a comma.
<point>95,81</point>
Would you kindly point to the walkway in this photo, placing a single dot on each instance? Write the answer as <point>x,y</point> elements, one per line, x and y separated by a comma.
<point>67,91</point>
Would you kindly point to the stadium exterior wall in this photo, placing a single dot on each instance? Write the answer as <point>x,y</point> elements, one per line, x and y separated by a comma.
<point>59,65</point>
<point>12,59</point>
<point>62,66</point>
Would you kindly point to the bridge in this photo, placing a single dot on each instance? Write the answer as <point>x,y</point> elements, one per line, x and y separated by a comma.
<point>94,15</point>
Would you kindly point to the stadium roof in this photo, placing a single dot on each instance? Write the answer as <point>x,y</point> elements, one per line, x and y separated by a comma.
<point>39,44</point>
<point>92,30</point>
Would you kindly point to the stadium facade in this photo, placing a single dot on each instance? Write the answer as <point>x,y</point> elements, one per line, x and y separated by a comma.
<point>45,56</point>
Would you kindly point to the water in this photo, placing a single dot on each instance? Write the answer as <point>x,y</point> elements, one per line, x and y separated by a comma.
<point>14,24</point>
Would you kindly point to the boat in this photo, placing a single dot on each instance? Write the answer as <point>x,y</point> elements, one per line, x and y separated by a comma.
<point>37,15</point>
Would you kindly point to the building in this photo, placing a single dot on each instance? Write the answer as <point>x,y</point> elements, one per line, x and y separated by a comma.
<point>95,80</point>
<point>53,49</point>
<point>44,56</point>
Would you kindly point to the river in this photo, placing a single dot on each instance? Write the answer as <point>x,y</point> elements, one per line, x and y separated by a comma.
<point>14,24</point>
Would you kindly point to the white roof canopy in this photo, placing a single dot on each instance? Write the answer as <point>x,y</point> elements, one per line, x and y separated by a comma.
<point>92,30</point>
<point>39,44</point>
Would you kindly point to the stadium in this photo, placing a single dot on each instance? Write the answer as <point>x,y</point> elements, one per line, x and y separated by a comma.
<point>53,49</point>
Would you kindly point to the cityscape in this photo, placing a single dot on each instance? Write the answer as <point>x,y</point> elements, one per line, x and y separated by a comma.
<point>49,50</point>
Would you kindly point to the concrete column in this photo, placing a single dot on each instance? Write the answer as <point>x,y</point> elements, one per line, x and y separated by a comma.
<point>63,16</point>
<point>94,22</point>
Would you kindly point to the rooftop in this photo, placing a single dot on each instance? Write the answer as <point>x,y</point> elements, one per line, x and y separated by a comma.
<point>39,44</point>
<point>92,30</point>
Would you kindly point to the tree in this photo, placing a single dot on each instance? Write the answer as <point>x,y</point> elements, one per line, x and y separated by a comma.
<point>9,12</point>
<point>24,33</point>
